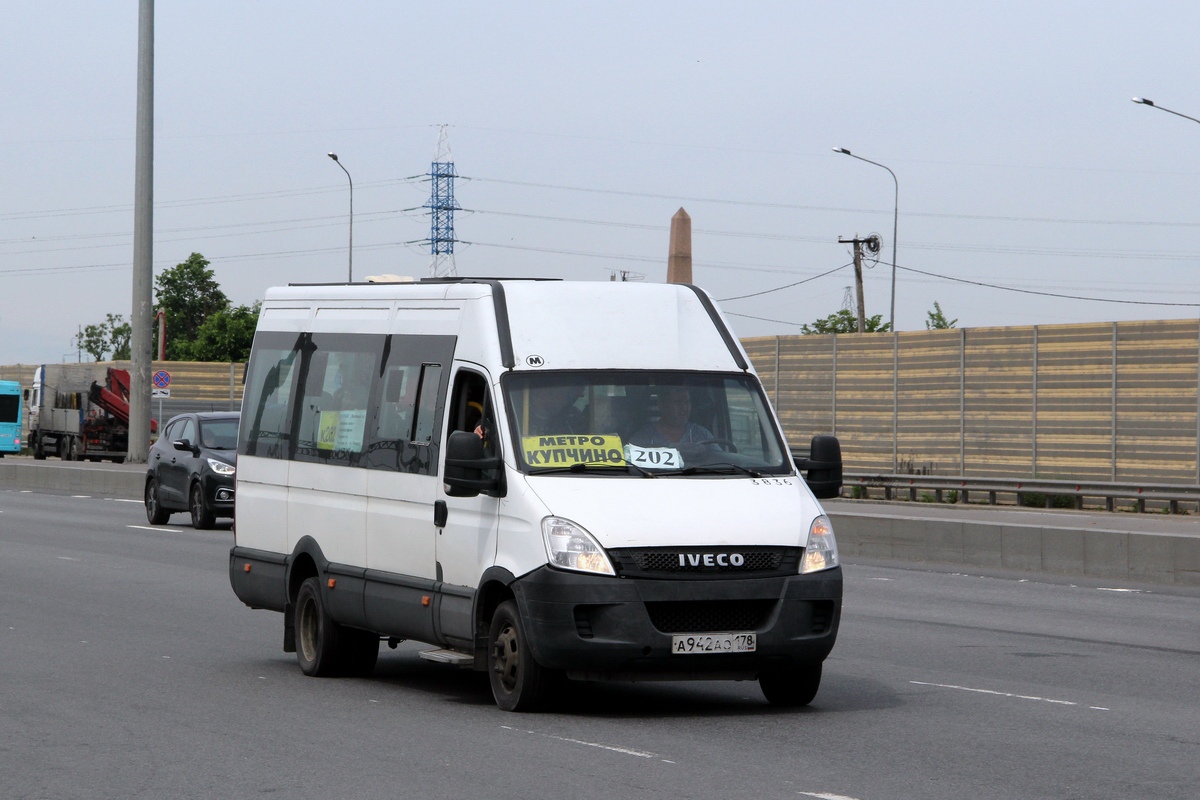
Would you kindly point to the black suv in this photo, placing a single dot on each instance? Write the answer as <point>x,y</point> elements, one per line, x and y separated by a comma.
<point>191,468</point>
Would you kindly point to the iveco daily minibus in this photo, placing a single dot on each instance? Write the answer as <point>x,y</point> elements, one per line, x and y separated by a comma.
<point>541,479</point>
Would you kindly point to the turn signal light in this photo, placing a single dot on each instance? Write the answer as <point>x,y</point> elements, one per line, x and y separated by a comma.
<point>332,583</point>
<point>246,567</point>
<point>424,599</point>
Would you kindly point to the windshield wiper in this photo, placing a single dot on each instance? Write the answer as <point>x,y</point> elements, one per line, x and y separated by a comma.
<point>721,468</point>
<point>594,466</point>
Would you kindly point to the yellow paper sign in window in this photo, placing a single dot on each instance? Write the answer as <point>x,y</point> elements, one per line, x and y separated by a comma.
<point>563,451</point>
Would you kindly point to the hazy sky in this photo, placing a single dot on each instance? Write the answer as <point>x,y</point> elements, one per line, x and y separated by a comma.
<point>579,129</point>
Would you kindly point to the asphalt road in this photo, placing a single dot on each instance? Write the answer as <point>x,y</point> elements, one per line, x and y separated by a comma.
<point>129,670</point>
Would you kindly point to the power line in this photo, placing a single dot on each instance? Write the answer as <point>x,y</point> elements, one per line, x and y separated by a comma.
<point>801,207</point>
<point>781,288</point>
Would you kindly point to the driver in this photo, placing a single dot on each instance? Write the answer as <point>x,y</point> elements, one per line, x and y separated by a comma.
<point>672,427</point>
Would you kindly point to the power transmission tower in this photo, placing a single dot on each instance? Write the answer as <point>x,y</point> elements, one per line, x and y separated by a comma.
<point>441,207</point>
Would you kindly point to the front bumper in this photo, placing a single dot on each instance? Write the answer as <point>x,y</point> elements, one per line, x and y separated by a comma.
<point>596,626</point>
<point>219,489</point>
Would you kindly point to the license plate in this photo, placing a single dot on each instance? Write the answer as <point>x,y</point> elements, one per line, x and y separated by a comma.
<point>714,643</point>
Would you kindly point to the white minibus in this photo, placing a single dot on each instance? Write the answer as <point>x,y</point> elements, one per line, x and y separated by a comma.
<point>544,480</point>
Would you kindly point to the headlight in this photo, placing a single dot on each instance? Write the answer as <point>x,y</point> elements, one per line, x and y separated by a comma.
<point>571,547</point>
<point>220,467</point>
<point>821,552</point>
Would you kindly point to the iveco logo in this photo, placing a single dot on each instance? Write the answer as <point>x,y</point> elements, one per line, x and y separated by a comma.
<point>535,361</point>
<point>711,559</point>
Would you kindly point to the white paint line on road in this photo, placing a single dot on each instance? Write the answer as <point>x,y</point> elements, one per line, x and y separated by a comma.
<point>826,796</point>
<point>612,748</point>
<point>66,558</point>
<point>82,496</point>
<point>123,500</point>
<point>148,528</point>
<point>998,694</point>
<point>1122,591</point>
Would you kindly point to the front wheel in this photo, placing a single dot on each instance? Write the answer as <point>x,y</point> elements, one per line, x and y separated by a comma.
<point>202,516</point>
<point>155,513</point>
<point>519,683</point>
<point>791,687</point>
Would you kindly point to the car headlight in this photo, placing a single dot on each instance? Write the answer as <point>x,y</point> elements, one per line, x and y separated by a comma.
<point>220,467</point>
<point>571,547</point>
<point>821,552</point>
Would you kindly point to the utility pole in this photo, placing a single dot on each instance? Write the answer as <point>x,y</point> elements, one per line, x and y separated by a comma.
<point>143,243</point>
<point>872,245</point>
<point>858,282</point>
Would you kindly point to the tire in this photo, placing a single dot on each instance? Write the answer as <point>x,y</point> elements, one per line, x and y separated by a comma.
<point>316,633</point>
<point>155,513</point>
<point>202,516</point>
<point>66,448</point>
<point>791,688</point>
<point>39,453</point>
<point>519,683</point>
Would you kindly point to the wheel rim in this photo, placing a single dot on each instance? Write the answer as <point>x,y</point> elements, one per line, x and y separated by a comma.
<point>152,499</point>
<point>197,505</point>
<point>507,657</point>
<point>306,617</point>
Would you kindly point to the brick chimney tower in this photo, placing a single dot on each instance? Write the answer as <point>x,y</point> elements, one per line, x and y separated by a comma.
<point>679,261</point>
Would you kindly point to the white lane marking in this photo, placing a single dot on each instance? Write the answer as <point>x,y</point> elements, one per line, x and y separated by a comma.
<point>826,796</point>
<point>66,558</point>
<point>82,496</point>
<point>1123,591</point>
<point>1099,708</point>
<point>148,528</point>
<point>613,748</point>
<point>998,694</point>
<point>122,500</point>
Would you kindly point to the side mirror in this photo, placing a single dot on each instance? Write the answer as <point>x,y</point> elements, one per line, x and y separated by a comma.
<point>824,466</point>
<point>185,445</point>
<point>468,469</point>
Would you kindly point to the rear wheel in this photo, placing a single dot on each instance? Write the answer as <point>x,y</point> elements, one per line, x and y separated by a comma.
<point>519,683</point>
<point>39,453</point>
<point>202,516</point>
<point>154,510</point>
<point>790,688</point>
<point>66,448</point>
<point>316,632</point>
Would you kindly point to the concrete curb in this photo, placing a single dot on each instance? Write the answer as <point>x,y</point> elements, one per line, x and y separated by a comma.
<point>1143,557</point>
<point>96,480</point>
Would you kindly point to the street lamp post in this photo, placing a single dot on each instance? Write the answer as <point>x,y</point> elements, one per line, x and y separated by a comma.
<point>895,225</point>
<point>1151,103</point>
<point>335,158</point>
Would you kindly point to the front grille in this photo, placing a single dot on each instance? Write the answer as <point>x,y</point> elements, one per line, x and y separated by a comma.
<point>706,562</point>
<point>710,616</point>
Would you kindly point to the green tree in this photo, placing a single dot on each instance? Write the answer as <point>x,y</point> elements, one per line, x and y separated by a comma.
<point>937,320</point>
<point>189,295</point>
<point>110,336</point>
<point>225,335</point>
<point>846,321</point>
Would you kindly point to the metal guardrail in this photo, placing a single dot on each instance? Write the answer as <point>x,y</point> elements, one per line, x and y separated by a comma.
<point>1023,491</point>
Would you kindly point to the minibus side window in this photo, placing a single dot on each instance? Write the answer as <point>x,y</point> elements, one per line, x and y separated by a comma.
<point>270,387</point>
<point>431,381</point>
<point>334,408</point>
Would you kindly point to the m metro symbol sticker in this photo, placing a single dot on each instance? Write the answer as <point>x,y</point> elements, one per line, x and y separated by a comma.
<point>535,361</point>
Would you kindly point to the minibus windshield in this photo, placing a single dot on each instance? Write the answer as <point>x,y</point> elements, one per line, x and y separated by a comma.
<point>642,423</point>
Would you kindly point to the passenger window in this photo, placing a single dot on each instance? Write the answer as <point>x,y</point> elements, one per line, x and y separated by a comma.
<point>187,431</point>
<point>334,406</point>
<point>431,380</point>
<point>472,410</point>
<point>269,389</point>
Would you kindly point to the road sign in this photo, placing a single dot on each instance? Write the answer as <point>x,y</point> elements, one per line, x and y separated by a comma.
<point>162,379</point>
<point>159,393</point>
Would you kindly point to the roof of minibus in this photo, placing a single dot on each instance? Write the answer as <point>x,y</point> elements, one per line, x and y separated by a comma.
<point>564,324</point>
